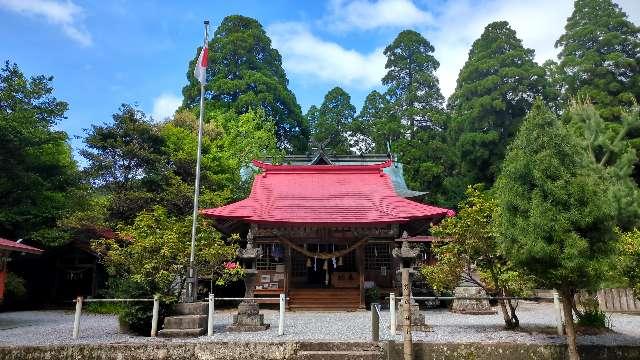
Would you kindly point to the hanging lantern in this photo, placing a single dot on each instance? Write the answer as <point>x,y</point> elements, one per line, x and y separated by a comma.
<point>325,266</point>
<point>315,263</point>
<point>308,262</point>
<point>340,261</point>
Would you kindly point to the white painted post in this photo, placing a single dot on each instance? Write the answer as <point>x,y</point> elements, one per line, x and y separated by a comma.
<point>281,319</point>
<point>210,319</point>
<point>392,312</point>
<point>556,305</point>
<point>154,316</point>
<point>76,320</point>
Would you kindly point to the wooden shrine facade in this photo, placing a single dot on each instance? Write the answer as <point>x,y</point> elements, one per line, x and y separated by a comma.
<point>326,231</point>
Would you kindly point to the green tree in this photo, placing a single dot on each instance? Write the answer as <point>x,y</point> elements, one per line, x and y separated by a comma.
<point>612,153</point>
<point>628,260</point>
<point>495,89</point>
<point>126,160</point>
<point>472,245</point>
<point>157,232</point>
<point>334,121</point>
<point>38,176</point>
<point>412,86</point>
<point>600,57</point>
<point>246,73</point>
<point>311,118</point>
<point>229,144</point>
<point>556,221</point>
<point>376,124</point>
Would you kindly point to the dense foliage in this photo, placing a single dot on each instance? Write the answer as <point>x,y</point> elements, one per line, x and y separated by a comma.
<point>244,73</point>
<point>599,57</point>
<point>334,120</point>
<point>470,245</point>
<point>556,221</point>
<point>628,259</point>
<point>38,175</point>
<point>495,90</point>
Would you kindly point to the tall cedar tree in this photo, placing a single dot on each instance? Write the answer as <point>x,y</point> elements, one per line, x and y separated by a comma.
<point>416,100</point>
<point>600,57</point>
<point>246,73</point>
<point>37,170</point>
<point>556,221</point>
<point>334,121</point>
<point>377,123</point>
<point>495,89</point>
<point>413,87</point>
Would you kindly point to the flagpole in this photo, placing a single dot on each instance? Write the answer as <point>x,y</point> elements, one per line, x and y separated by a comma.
<point>192,290</point>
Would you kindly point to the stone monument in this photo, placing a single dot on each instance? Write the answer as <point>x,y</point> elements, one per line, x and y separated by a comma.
<point>248,317</point>
<point>407,255</point>
<point>469,289</point>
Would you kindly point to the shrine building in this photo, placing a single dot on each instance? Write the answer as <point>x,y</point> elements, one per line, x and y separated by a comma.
<point>327,227</point>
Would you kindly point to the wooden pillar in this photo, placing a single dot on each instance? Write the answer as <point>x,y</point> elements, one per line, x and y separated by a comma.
<point>360,262</point>
<point>288,272</point>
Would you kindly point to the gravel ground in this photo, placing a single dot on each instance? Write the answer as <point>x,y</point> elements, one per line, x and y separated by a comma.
<point>537,322</point>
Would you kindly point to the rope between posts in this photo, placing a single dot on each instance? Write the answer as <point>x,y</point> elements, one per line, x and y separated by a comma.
<point>112,300</point>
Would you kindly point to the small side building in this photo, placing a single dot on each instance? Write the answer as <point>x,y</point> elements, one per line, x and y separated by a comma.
<point>6,248</point>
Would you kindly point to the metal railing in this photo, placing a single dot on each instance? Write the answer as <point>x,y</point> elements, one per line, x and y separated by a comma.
<point>156,309</point>
<point>555,299</point>
<point>80,300</point>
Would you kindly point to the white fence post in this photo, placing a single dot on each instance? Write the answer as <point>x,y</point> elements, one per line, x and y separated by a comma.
<point>76,320</point>
<point>210,319</point>
<point>281,318</point>
<point>392,312</point>
<point>154,315</point>
<point>556,305</point>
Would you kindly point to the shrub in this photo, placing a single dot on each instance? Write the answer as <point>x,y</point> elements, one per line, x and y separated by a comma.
<point>14,288</point>
<point>371,295</point>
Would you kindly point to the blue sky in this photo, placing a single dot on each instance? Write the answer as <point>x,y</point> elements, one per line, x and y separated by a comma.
<point>105,53</point>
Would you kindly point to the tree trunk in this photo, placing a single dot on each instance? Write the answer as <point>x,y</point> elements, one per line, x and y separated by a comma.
<point>567,307</point>
<point>505,313</point>
<point>514,317</point>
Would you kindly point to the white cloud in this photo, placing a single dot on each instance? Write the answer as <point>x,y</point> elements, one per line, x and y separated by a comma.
<point>451,26</point>
<point>65,14</point>
<point>307,55</point>
<point>165,105</point>
<point>365,14</point>
<point>459,23</point>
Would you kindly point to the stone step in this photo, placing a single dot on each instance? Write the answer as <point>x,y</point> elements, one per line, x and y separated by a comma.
<point>185,322</point>
<point>197,308</point>
<point>340,355</point>
<point>181,333</point>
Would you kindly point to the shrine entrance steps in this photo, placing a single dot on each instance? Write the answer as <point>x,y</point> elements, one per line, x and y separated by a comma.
<point>190,320</point>
<point>324,299</point>
<point>339,351</point>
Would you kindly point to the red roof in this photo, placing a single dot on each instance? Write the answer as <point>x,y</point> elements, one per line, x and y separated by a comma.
<point>325,194</point>
<point>14,246</point>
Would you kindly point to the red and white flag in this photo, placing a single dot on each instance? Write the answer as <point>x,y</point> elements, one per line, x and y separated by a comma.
<point>200,71</point>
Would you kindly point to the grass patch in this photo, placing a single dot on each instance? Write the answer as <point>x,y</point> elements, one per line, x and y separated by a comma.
<point>107,308</point>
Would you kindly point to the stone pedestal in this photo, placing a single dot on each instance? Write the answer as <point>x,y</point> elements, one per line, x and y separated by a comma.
<point>417,318</point>
<point>471,307</point>
<point>248,318</point>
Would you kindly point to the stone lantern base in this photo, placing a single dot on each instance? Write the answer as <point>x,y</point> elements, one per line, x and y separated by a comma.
<point>471,307</point>
<point>417,318</point>
<point>248,318</point>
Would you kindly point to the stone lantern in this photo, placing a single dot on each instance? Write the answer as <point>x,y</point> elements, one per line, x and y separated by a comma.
<point>248,317</point>
<point>407,256</point>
